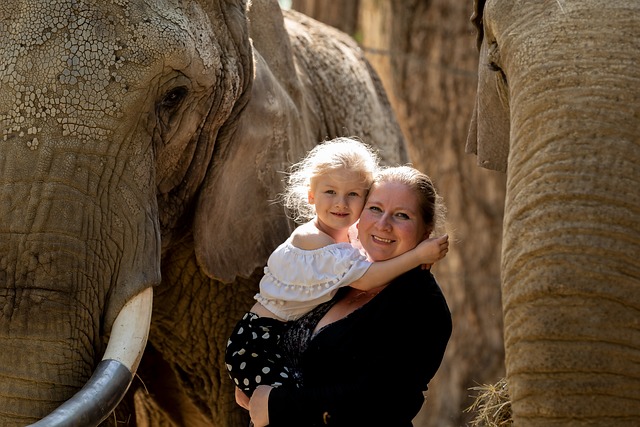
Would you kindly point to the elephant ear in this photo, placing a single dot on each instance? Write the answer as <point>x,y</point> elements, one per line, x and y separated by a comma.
<point>488,136</point>
<point>476,20</point>
<point>238,222</point>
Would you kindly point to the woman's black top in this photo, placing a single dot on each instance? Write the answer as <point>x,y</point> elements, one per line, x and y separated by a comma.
<point>371,367</point>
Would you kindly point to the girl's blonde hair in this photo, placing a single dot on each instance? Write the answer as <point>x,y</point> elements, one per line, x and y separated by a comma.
<point>339,153</point>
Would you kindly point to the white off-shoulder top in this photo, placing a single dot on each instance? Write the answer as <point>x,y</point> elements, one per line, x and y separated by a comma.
<point>297,280</point>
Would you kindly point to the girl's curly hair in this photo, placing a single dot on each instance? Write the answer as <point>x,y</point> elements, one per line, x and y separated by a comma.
<point>339,153</point>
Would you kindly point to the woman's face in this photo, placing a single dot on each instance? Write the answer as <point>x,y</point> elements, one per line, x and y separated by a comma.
<point>391,223</point>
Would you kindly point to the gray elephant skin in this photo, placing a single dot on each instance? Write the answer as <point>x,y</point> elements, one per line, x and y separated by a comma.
<point>142,146</point>
<point>558,109</point>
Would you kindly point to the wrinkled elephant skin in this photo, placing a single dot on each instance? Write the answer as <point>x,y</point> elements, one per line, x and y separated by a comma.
<point>142,144</point>
<point>558,109</point>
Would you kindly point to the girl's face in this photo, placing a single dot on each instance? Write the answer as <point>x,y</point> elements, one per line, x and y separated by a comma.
<point>391,223</point>
<point>338,197</point>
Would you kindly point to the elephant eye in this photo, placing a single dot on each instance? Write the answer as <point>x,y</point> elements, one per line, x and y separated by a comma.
<point>173,98</point>
<point>493,57</point>
<point>493,66</point>
<point>493,62</point>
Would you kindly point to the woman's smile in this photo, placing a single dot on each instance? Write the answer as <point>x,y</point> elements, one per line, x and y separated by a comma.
<point>381,239</point>
<point>390,223</point>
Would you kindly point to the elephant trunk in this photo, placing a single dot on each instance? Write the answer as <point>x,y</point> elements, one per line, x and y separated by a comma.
<point>571,236</point>
<point>111,379</point>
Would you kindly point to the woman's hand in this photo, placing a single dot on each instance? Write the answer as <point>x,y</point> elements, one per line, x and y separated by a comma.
<point>259,406</point>
<point>242,399</point>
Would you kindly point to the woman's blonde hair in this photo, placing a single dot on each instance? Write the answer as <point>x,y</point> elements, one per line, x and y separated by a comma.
<point>432,208</point>
<point>339,153</point>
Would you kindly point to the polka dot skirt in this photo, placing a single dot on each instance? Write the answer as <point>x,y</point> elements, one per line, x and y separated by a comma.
<point>253,356</point>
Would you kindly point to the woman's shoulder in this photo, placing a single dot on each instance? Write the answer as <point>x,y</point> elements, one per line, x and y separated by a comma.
<point>418,277</point>
<point>418,286</point>
<point>421,299</point>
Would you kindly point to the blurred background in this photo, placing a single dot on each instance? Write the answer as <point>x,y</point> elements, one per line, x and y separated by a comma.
<point>426,56</point>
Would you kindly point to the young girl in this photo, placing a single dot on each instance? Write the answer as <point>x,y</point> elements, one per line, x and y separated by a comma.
<point>328,189</point>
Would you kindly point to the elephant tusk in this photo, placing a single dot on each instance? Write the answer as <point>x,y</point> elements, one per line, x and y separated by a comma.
<point>113,375</point>
<point>130,331</point>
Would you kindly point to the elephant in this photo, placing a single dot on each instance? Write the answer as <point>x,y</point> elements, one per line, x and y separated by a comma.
<point>558,110</point>
<point>143,145</point>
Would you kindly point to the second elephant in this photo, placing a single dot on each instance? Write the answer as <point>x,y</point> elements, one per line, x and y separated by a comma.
<point>558,109</point>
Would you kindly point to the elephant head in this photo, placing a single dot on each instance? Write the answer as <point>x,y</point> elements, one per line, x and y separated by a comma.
<point>558,109</point>
<point>142,144</point>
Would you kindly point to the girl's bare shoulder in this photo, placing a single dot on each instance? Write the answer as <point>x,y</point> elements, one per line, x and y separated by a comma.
<point>308,237</point>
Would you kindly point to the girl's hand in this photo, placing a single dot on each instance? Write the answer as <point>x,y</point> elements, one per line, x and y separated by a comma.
<point>433,250</point>
<point>242,399</point>
<point>259,406</point>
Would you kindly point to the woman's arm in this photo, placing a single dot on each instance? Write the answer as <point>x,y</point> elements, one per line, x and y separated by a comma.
<point>362,402</point>
<point>259,406</point>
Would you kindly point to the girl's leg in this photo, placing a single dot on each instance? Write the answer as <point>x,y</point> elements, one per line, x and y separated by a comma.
<point>253,356</point>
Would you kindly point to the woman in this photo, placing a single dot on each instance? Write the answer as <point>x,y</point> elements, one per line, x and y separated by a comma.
<point>366,357</point>
<point>327,191</point>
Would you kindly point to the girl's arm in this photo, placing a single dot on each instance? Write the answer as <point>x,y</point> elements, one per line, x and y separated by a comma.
<point>382,272</point>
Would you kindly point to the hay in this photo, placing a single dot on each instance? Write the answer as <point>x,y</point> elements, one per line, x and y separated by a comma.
<point>492,405</point>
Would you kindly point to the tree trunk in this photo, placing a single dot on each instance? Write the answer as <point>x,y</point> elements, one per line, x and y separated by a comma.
<point>341,14</point>
<point>425,53</point>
